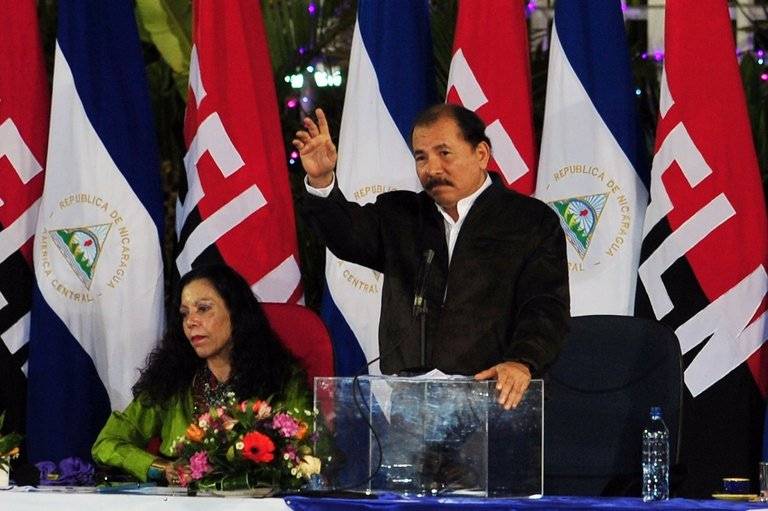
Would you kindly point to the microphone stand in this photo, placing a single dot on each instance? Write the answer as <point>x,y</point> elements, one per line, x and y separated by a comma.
<point>420,306</point>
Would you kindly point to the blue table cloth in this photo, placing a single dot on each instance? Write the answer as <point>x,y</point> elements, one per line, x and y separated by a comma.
<point>398,503</point>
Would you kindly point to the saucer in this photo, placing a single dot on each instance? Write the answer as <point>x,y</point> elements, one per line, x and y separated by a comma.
<point>736,496</point>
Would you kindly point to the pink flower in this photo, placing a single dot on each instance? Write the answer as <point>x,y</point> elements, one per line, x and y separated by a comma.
<point>286,424</point>
<point>184,480</point>
<point>290,454</point>
<point>204,420</point>
<point>199,466</point>
<point>227,422</point>
<point>261,409</point>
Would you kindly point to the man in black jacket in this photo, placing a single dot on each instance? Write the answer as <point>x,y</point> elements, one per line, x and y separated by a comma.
<point>498,287</point>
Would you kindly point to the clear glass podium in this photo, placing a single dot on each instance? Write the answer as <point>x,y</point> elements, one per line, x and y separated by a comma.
<point>418,436</point>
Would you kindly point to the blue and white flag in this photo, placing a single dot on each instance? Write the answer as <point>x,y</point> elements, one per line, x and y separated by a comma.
<point>391,79</point>
<point>98,306</point>
<point>592,169</point>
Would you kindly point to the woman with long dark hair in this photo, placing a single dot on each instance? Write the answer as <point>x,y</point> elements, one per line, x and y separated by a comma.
<point>218,341</point>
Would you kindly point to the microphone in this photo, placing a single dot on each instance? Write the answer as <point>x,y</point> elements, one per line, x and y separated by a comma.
<point>422,277</point>
<point>420,308</point>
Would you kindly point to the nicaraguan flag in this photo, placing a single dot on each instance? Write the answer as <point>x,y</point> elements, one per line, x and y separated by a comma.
<point>98,306</point>
<point>592,169</point>
<point>391,79</point>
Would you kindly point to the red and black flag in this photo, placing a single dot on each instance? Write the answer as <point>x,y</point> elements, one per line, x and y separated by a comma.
<point>237,206</point>
<point>489,33</point>
<point>24,111</point>
<point>705,246</point>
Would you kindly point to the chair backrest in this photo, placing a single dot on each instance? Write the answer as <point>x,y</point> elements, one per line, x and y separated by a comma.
<point>599,392</point>
<point>304,334</point>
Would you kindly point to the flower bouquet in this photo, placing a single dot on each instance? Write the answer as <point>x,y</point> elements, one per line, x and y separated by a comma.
<point>9,448</point>
<point>247,445</point>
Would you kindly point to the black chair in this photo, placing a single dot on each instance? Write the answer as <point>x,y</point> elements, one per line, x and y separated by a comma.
<point>610,372</point>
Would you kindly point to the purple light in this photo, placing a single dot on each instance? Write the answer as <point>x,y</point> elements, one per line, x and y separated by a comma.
<point>760,53</point>
<point>658,56</point>
<point>644,56</point>
<point>312,8</point>
<point>302,50</point>
<point>292,103</point>
<point>623,5</point>
<point>764,77</point>
<point>531,6</point>
<point>294,154</point>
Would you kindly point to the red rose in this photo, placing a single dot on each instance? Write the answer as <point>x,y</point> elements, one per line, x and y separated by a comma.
<point>258,447</point>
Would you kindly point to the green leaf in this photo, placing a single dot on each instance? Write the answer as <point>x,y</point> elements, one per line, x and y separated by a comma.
<point>168,24</point>
<point>9,442</point>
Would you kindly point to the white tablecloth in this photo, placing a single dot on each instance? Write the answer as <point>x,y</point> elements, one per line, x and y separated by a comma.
<point>18,499</point>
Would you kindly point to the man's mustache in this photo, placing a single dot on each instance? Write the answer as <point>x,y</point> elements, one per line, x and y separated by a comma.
<point>436,181</point>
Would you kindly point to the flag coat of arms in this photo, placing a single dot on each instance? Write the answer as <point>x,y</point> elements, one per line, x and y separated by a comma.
<point>24,108</point>
<point>391,79</point>
<point>98,306</point>
<point>592,169</point>
<point>490,75</point>
<point>237,205</point>
<point>705,246</point>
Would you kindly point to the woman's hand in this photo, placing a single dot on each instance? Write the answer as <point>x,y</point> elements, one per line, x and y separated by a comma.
<point>177,474</point>
<point>317,151</point>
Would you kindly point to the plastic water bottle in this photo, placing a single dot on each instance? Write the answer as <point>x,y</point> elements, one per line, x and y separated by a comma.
<point>655,458</point>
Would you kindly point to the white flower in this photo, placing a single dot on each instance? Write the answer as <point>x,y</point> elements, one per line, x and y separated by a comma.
<point>239,446</point>
<point>309,466</point>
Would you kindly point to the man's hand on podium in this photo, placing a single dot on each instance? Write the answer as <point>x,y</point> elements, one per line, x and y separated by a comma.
<point>512,381</point>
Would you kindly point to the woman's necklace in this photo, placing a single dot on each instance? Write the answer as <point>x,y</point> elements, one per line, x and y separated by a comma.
<point>208,392</point>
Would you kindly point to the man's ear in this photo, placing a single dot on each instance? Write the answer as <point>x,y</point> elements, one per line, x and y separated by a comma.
<point>483,153</point>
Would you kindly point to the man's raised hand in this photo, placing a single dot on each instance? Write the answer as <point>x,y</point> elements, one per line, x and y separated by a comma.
<point>317,151</point>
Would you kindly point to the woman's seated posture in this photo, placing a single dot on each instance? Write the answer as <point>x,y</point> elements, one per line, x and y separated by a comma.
<point>218,341</point>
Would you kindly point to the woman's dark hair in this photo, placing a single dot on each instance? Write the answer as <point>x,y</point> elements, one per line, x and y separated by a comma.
<point>261,365</point>
<point>471,126</point>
